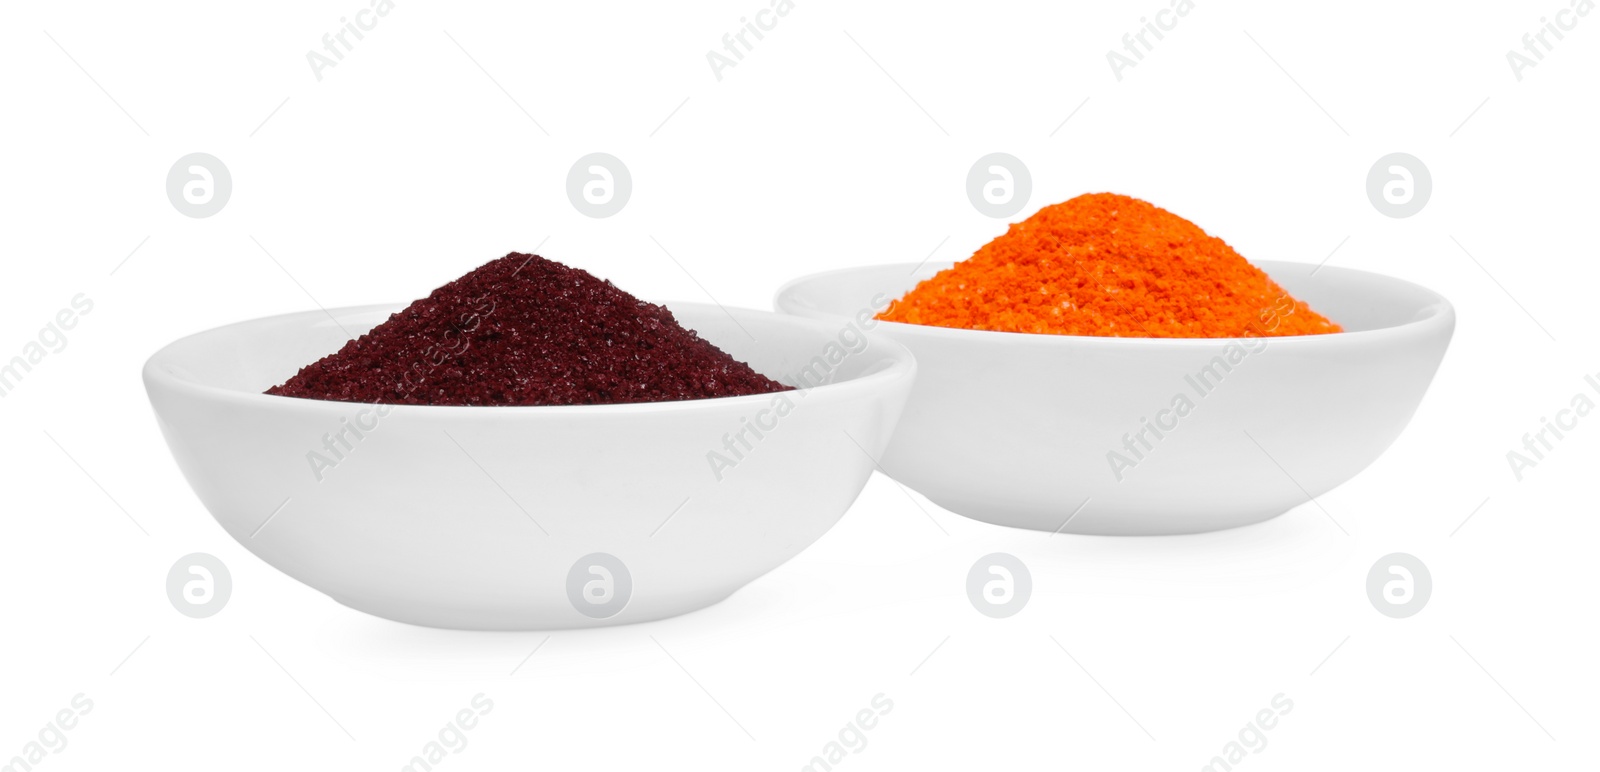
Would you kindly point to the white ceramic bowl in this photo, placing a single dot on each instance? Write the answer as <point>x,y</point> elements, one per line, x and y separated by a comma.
<point>483,517</point>
<point>1019,429</point>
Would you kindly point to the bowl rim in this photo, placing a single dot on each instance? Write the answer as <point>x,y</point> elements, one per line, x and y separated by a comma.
<point>901,365</point>
<point>1437,311</point>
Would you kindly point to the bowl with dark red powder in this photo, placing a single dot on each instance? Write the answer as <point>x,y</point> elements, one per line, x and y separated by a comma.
<point>528,447</point>
<point>1107,367</point>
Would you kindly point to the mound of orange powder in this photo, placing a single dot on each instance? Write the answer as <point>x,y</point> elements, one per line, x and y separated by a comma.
<point>1108,265</point>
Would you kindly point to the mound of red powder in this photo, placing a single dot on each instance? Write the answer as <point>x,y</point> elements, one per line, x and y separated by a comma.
<point>523,330</point>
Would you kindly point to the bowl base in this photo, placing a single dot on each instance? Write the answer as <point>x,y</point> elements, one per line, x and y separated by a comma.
<point>522,621</point>
<point>1132,523</point>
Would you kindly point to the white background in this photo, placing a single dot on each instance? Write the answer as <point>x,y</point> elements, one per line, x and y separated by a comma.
<point>406,166</point>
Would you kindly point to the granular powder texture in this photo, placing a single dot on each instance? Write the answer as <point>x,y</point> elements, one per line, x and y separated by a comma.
<point>1108,265</point>
<point>523,330</point>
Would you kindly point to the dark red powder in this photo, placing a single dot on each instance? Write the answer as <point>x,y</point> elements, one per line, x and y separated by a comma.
<point>523,330</point>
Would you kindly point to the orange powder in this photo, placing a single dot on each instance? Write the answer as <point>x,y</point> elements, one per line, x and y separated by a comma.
<point>1112,266</point>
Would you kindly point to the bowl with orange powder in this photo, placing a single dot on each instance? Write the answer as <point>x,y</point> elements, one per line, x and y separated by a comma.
<point>1108,367</point>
